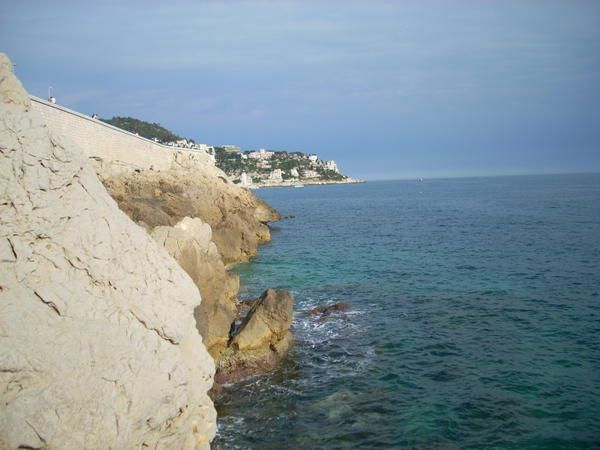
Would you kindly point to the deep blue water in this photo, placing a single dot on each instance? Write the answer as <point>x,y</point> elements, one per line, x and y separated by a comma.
<point>474,322</point>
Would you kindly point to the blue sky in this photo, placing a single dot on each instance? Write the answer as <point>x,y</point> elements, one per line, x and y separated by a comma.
<point>389,89</point>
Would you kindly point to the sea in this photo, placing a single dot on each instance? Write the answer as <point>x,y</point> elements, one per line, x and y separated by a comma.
<point>474,318</point>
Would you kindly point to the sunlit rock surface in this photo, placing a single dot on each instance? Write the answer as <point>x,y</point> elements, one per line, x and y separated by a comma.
<point>98,342</point>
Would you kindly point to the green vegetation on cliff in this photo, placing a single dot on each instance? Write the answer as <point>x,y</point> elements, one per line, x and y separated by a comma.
<point>263,166</point>
<point>228,162</point>
<point>274,166</point>
<point>331,175</point>
<point>145,129</point>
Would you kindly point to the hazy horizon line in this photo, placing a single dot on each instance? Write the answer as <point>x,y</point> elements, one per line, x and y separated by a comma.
<point>485,175</point>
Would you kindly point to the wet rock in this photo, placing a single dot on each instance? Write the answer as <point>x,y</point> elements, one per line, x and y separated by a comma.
<point>325,311</point>
<point>234,365</point>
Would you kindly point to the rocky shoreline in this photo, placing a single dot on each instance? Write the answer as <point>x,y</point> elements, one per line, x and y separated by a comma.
<point>260,340</point>
<point>206,224</point>
<point>117,305</point>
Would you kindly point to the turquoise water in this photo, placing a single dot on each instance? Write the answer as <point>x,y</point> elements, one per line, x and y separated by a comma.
<point>474,322</point>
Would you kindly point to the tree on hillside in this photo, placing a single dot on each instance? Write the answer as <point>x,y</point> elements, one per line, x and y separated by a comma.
<point>144,129</point>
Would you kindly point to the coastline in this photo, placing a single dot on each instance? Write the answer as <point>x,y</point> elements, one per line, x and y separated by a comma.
<point>139,242</point>
<point>302,183</point>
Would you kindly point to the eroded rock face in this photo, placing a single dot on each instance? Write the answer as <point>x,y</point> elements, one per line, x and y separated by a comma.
<point>98,343</point>
<point>153,198</point>
<point>227,218</point>
<point>262,340</point>
<point>190,243</point>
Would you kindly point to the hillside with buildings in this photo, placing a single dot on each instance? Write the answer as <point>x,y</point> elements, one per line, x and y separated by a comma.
<point>250,168</point>
<point>276,168</point>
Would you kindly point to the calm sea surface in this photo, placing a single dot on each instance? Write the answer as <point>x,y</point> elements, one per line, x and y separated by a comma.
<point>474,322</point>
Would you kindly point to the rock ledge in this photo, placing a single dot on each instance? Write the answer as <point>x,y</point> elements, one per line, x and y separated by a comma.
<point>262,340</point>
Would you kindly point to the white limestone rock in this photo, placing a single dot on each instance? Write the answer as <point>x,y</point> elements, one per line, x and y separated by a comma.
<point>190,243</point>
<point>98,343</point>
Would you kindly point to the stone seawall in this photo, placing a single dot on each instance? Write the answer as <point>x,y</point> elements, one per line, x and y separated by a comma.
<point>99,140</point>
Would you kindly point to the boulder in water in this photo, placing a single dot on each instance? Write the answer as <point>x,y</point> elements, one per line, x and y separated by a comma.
<point>262,340</point>
<point>267,321</point>
<point>325,311</point>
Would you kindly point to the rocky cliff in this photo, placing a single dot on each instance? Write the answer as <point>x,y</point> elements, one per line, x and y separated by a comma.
<point>204,221</point>
<point>98,342</point>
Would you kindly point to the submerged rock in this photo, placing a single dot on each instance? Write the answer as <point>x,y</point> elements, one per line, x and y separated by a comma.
<point>336,406</point>
<point>325,311</point>
<point>98,344</point>
<point>262,340</point>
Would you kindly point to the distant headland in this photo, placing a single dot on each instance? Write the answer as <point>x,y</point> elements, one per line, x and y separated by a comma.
<point>248,168</point>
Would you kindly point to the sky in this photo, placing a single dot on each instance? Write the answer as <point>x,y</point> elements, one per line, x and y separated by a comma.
<point>389,89</point>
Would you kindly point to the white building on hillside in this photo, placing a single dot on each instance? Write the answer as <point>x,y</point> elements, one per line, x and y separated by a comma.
<point>231,148</point>
<point>245,179</point>
<point>331,165</point>
<point>209,150</point>
<point>263,164</point>
<point>261,154</point>
<point>313,158</point>
<point>294,173</point>
<point>276,175</point>
<point>310,173</point>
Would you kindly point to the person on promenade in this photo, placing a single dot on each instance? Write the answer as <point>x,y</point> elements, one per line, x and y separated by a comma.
<point>52,100</point>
